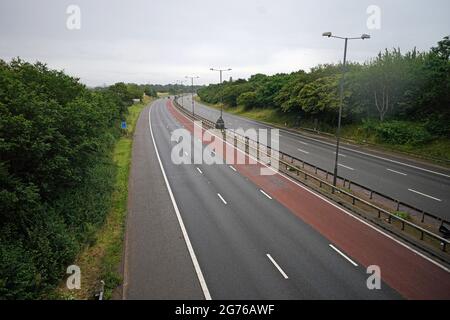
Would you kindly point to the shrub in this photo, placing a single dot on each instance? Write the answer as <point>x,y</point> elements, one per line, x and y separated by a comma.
<point>248,100</point>
<point>398,132</point>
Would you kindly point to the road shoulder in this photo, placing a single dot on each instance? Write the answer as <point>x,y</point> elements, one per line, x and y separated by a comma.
<point>156,264</point>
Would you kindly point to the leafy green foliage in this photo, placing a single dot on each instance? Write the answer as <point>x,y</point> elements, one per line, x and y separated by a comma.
<point>56,175</point>
<point>398,132</point>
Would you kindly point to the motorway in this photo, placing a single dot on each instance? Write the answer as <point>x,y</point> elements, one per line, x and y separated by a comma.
<point>422,186</point>
<point>225,232</point>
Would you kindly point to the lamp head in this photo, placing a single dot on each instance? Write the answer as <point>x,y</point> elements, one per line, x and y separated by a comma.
<point>365,36</point>
<point>327,34</point>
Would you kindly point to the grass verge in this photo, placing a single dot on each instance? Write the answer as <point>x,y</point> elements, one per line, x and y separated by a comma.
<point>101,260</point>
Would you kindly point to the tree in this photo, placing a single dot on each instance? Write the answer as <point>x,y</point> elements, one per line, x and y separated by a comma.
<point>388,78</point>
<point>321,97</point>
<point>122,96</point>
<point>248,100</point>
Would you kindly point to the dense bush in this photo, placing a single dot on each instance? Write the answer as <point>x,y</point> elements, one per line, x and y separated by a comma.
<point>248,100</point>
<point>55,171</point>
<point>398,132</point>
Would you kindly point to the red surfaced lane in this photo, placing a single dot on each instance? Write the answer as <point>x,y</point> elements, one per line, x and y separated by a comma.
<point>411,275</point>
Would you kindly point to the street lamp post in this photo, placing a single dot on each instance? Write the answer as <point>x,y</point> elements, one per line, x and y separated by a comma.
<point>182,96</point>
<point>220,72</point>
<point>192,90</point>
<point>341,95</point>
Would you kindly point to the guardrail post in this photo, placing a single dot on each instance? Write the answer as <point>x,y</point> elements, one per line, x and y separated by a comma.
<point>257,150</point>
<point>423,216</point>
<point>349,184</point>
<point>398,205</point>
<point>371,194</point>
<point>246,145</point>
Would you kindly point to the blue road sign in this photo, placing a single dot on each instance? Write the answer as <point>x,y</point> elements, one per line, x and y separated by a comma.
<point>123,125</point>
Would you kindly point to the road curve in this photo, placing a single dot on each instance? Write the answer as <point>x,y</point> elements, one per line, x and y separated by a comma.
<point>423,187</point>
<point>268,238</point>
<point>238,233</point>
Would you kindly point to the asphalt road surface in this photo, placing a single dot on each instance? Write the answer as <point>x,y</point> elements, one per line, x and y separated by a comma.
<point>426,188</point>
<point>248,236</point>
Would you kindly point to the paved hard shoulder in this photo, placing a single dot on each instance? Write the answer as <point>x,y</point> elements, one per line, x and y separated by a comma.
<point>157,263</point>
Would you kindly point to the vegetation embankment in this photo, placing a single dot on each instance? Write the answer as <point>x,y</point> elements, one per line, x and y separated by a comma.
<point>100,261</point>
<point>60,157</point>
<point>399,101</point>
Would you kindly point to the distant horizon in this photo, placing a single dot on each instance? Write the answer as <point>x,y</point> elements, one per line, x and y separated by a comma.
<point>227,78</point>
<point>164,41</point>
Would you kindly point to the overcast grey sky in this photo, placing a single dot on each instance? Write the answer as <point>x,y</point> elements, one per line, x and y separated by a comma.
<point>159,41</point>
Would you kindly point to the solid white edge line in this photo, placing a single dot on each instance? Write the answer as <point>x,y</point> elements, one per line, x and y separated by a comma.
<point>395,171</point>
<point>262,191</point>
<point>343,210</point>
<point>199,170</point>
<point>346,167</point>
<point>425,195</point>
<point>233,168</point>
<point>197,268</point>
<point>221,198</point>
<point>277,266</point>
<point>342,254</point>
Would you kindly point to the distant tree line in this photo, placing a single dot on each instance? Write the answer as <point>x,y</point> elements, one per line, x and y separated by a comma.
<point>175,88</point>
<point>384,94</point>
<point>56,171</point>
<point>130,90</point>
<point>151,90</point>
